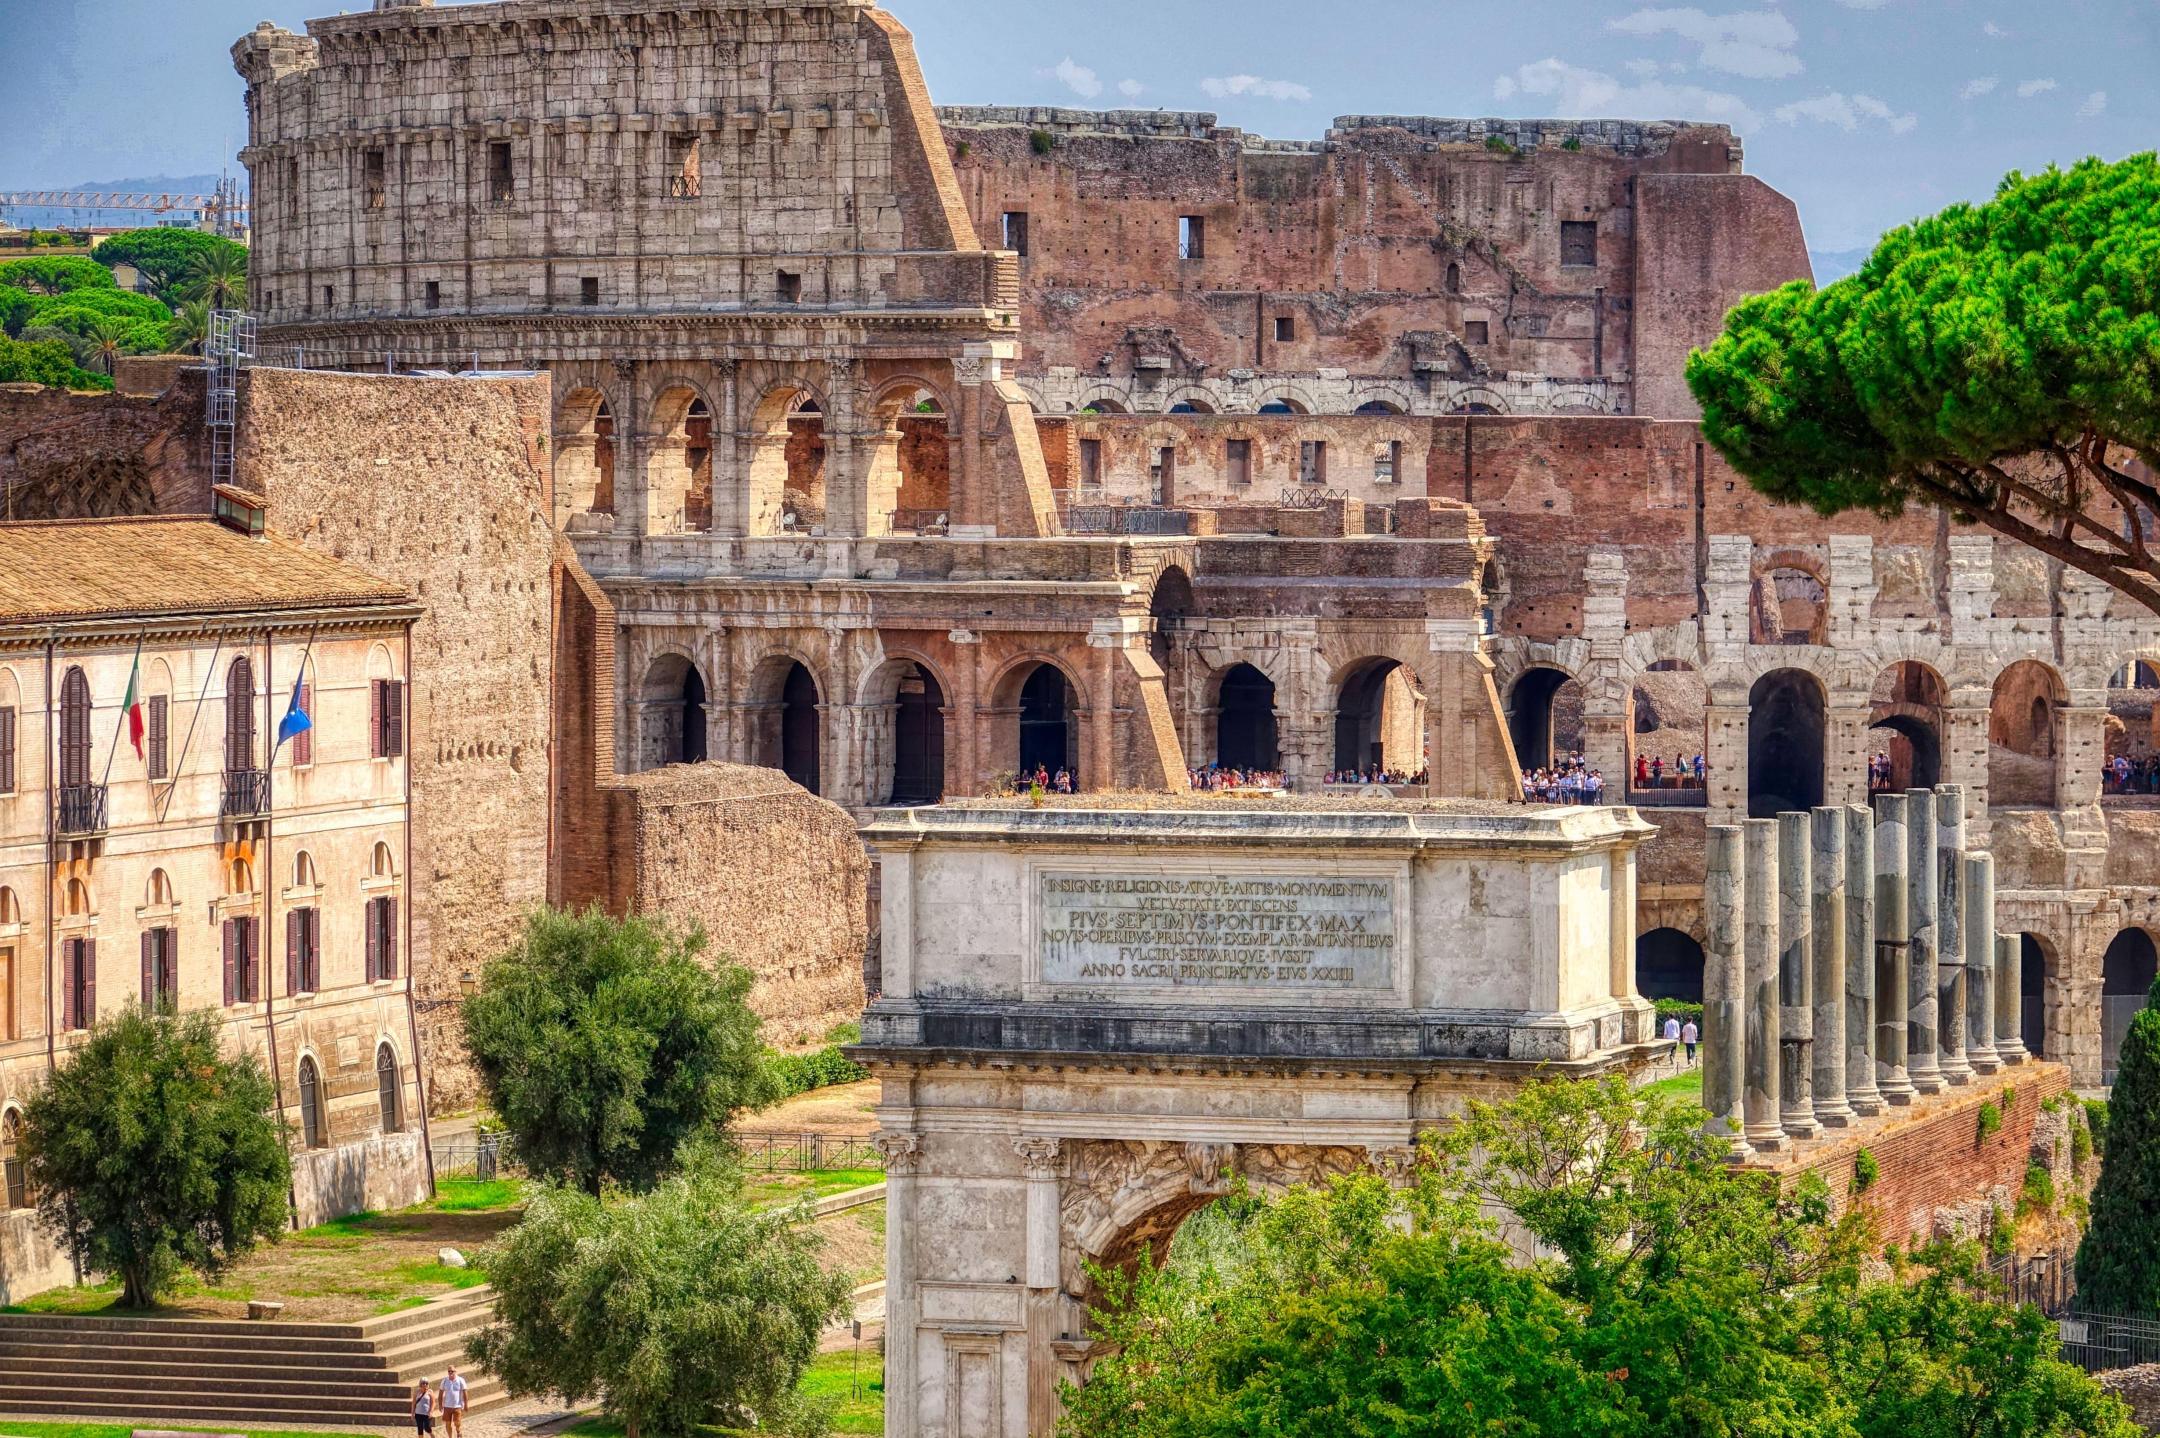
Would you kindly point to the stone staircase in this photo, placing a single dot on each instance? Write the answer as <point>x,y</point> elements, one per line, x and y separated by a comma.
<point>243,1374</point>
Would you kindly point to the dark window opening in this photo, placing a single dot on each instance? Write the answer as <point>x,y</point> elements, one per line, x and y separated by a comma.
<point>373,185</point>
<point>1016,232</point>
<point>311,1116</point>
<point>1578,242</point>
<point>1090,463</point>
<point>292,189</point>
<point>589,290</point>
<point>799,720</point>
<point>919,740</point>
<point>434,294</point>
<point>686,172</point>
<point>1669,965</point>
<point>1191,237</point>
<point>502,186</point>
<point>1237,461</point>
<point>329,297</point>
<point>1786,728</point>
<point>1245,731</point>
<point>790,287</point>
<point>1047,733</point>
<point>1312,461</point>
<point>1477,332</point>
<point>1285,329</point>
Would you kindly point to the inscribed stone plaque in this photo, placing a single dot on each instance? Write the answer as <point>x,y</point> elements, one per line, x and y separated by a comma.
<point>1266,931</point>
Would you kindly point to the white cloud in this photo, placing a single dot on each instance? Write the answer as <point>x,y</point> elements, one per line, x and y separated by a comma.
<point>1131,89</point>
<point>1223,87</point>
<point>1572,92</point>
<point>2095,106</point>
<point>1847,112</point>
<point>1645,69</point>
<point>1974,89</point>
<point>1755,43</point>
<point>2029,88</point>
<point>1863,4</point>
<point>1077,78</point>
<point>1994,31</point>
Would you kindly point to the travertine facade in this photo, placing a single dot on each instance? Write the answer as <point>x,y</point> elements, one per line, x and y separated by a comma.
<point>218,869</point>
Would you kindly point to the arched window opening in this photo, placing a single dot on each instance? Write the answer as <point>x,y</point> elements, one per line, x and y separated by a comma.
<point>2133,732</point>
<point>1454,279</point>
<point>1378,407</point>
<point>585,454</point>
<point>919,739</point>
<point>1669,965</point>
<point>74,730</point>
<point>239,717</point>
<point>1905,717</point>
<point>1380,722</point>
<point>799,728</point>
<point>672,714</point>
<point>2024,735</point>
<point>697,462</point>
<point>1049,739</point>
<point>11,1163</point>
<point>1170,605</point>
<point>1787,722</point>
<point>2126,980</point>
<point>381,864</point>
<point>1245,726</point>
<point>1545,717</point>
<point>1788,606</point>
<point>2033,967</point>
<point>386,1089</point>
<point>1668,735</point>
<point>311,1112</point>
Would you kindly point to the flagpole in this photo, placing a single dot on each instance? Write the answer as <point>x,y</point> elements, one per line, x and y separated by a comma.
<point>134,675</point>
<point>180,764</point>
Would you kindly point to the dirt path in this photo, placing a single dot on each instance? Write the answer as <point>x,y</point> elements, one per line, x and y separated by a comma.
<point>844,1111</point>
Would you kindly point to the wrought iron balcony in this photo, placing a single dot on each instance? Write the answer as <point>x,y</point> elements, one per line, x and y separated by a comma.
<point>82,809</point>
<point>247,793</point>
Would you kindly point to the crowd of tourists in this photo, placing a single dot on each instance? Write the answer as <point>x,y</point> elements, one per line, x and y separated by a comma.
<point>1652,772</point>
<point>1059,783</point>
<point>1881,777</point>
<point>1570,781</point>
<point>2126,775</point>
<point>1373,774</point>
<point>1217,778</point>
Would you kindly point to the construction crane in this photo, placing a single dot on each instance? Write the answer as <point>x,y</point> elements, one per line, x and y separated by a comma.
<point>224,211</point>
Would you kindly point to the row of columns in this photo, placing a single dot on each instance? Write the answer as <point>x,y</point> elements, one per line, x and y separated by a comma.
<point>1852,963</point>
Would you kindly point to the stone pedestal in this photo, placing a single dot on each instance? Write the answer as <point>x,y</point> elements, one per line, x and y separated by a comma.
<point>1796,976</point>
<point>1923,1064</point>
<point>1859,980</point>
<point>1765,1122</point>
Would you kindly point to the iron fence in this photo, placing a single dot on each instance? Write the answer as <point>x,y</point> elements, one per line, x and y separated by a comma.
<point>2101,1342</point>
<point>82,809</point>
<point>247,793</point>
<point>1127,519</point>
<point>490,1155</point>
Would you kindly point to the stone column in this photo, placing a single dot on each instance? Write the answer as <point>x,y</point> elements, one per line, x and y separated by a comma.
<point>1765,1130</point>
<point>1827,868</point>
<point>1979,931</point>
<point>902,1305</point>
<point>1040,1162</point>
<point>1796,977</point>
<point>1950,934</point>
<point>1893,928</point>
<point>1724,1037</point>
<point>2009,993</point>
<point>1859,981</point>
<point>1922,1008</point>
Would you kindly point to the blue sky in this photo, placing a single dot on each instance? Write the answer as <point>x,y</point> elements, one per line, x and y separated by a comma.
<point>1867,112</point>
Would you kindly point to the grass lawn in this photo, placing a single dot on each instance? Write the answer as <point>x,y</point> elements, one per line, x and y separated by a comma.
<point>10,1428</point>
<point>1686,1084</point>
<point>337,1272</point>
<point>853,1384</point>
<point>775,1190</point>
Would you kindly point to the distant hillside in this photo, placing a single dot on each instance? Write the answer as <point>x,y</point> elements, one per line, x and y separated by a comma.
<point>28,218</point>
<point>1837,264</point>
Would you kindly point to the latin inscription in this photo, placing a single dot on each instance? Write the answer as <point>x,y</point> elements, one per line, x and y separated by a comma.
<point>1263,931</point>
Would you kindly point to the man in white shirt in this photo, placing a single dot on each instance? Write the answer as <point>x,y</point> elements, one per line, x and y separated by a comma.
<point>1672,1030</point>
<point>453,1404</point>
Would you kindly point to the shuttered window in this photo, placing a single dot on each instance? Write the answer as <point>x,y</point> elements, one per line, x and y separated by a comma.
<point>386,1089</point>
<point>381,939</point>
<point>161,969</point>
<point>303,744</point>
<point>160,736</point>
<point>78,983</point>
<point>74,730</point>
<point>7,750</point>
<point>242,941</point>
<point>240,716</point>
<point>303,951</point>
<point>386,718</point>
<point>311,1119</point>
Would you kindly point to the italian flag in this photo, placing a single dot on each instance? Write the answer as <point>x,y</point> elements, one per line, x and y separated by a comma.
<point>133,705</point>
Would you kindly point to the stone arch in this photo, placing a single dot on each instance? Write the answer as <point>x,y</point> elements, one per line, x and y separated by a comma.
<point>1284,399</point>
<point>1642,651</point>
<point>1906,709</point>
<point>679,458</point>
<point>2039,989</point>
<point>2025,707</point>
<point>1544,718</point>
<point>673,712</point>
<point>1381,407</point>
<point>1379,716</point>
<point>787,478</point>
<point>1477,400</point>
<point>1668,714</point>
<point>1669,965</point>
<point>1243,700</point>
<point>1102,400</point>
<point>908,465</point>
<point>585,453</point>
<point>907,699</point>
<point>2127,971</point>
<point>1042,704</point>
<point>1789,600</point>
<point>1190,400</point>
<point>1576,401</point>
<point>1788,728</point>
<point>787,719</point>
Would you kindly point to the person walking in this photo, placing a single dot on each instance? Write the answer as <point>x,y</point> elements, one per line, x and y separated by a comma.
<point>1672,1029</point>
<point>1690,1036</point>
<point>423,1409</point>
<point>452,1390</point>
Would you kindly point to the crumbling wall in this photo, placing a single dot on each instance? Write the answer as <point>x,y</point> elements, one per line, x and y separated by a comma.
<point>85,456</point>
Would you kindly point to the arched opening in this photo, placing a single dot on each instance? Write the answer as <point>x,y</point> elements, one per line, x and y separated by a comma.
<point>1492,587</point>
<point>1169,605</point>
<point>1545,717</point>
<point>919,739</point>
<point>1379,721</point>
<point>679,465</point>
<point>1453,282</point>
<point>2133,757</point>
<point>386,1089</point>
<point>1669,965</point>
<point>1786,727</point>
<point>1283,404</point>
<point>1245,728</point>
<point>799,728</point>
<point>787,464</point>
<point>2025,735</point>
<point>1905,713</point>
<point>11,1163</point>
<point>1668,725</point>
<point>2126,980</point>
<point>2035,967</point>
<point>1378,406</point>
<point>239,716</point>
<point>585,454</point>
<point>75,730</point>
<point>909,466</point>
<point>1049,739</point>
<point>1788,606</point>
<point>311,1112</point>
<point>1191,405</point>
<point>672,716</point>
<point>1102,404</point>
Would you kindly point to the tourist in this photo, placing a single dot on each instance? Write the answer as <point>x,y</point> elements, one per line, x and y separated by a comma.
<point>1702,767</point>
<point>453,1404</point>
<point>1672,1029</point>
<point>1657,772</point>
<point>1642,772</point>
<point>1689,1034</point>
<point>423,1408</point>
<point>1064,780</point>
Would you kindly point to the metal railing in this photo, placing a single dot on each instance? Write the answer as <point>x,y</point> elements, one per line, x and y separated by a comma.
<point>684,187</point>
<point>82,809</point>
<point>487,1155</point>
<point>2101,1342</point>
<point>921,521</point>
<point>1126,519</point>
<point>247,793</point>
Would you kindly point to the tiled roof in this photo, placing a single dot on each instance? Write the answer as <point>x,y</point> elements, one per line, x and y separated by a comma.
<point>116,568</point>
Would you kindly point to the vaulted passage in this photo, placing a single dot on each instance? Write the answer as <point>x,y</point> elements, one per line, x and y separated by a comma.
<point>1047,732</point>
<point>1531,721</point>
<point>799,728</point>
<point>919,740</point>
<point>1669,965</point>
<point>1245,734</point>
<point>1786,723</point>
<point>2126,978</point>
<point>1379,719</point>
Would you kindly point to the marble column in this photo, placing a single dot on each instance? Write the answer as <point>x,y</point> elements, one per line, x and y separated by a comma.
<point>1893,928</point>
<point>2009,995</point>
<point>1979,932</point>
<point>1950,974</point>
<point>1724,1038</point>
<point>1859,981</point>
<point>1765,1129</point>
<point>1041,1165</point>
<point>1922,1064</point>
<point>1796,977</point>
<point>902,1152</point>
<point>1827,868</point>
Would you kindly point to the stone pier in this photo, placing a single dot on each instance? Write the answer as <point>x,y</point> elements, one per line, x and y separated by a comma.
<point>1827,868</point>
<point>1923,1063</point>
<point>1796,977</point>
<point>1950,971</point>
<point>1765,1123</point>
<point>1893,932</point>
<point>1859,981</point>
<point>1724,988</point>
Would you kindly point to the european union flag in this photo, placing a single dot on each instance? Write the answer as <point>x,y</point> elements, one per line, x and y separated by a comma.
<point>296,719</point>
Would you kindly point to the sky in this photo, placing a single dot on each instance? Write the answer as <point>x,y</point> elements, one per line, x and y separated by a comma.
<point>1866,112</point>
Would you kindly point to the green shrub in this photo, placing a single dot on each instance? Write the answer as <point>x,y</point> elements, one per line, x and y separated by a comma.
<point>2002,1236</point>
<point>48,362</point>
<point>1865,1170</point>
<point>793,1074</point>
<point>2039,1192</point>
<point>2009,1098</point>
<point>1679,1009</point>
<point>1499,145</point>
<point>1042,142</point>
<point>2081,1147</point>
<point>1991,1120</point>
<point>1572,142</point>
<point>2096,1116</point>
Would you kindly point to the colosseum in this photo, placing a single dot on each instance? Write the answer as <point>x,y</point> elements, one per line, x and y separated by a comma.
<point>917,449</point>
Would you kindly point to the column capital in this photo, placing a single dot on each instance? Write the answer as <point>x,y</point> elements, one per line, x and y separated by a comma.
<point>902,1151</point>
<point>1041,1157</point>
